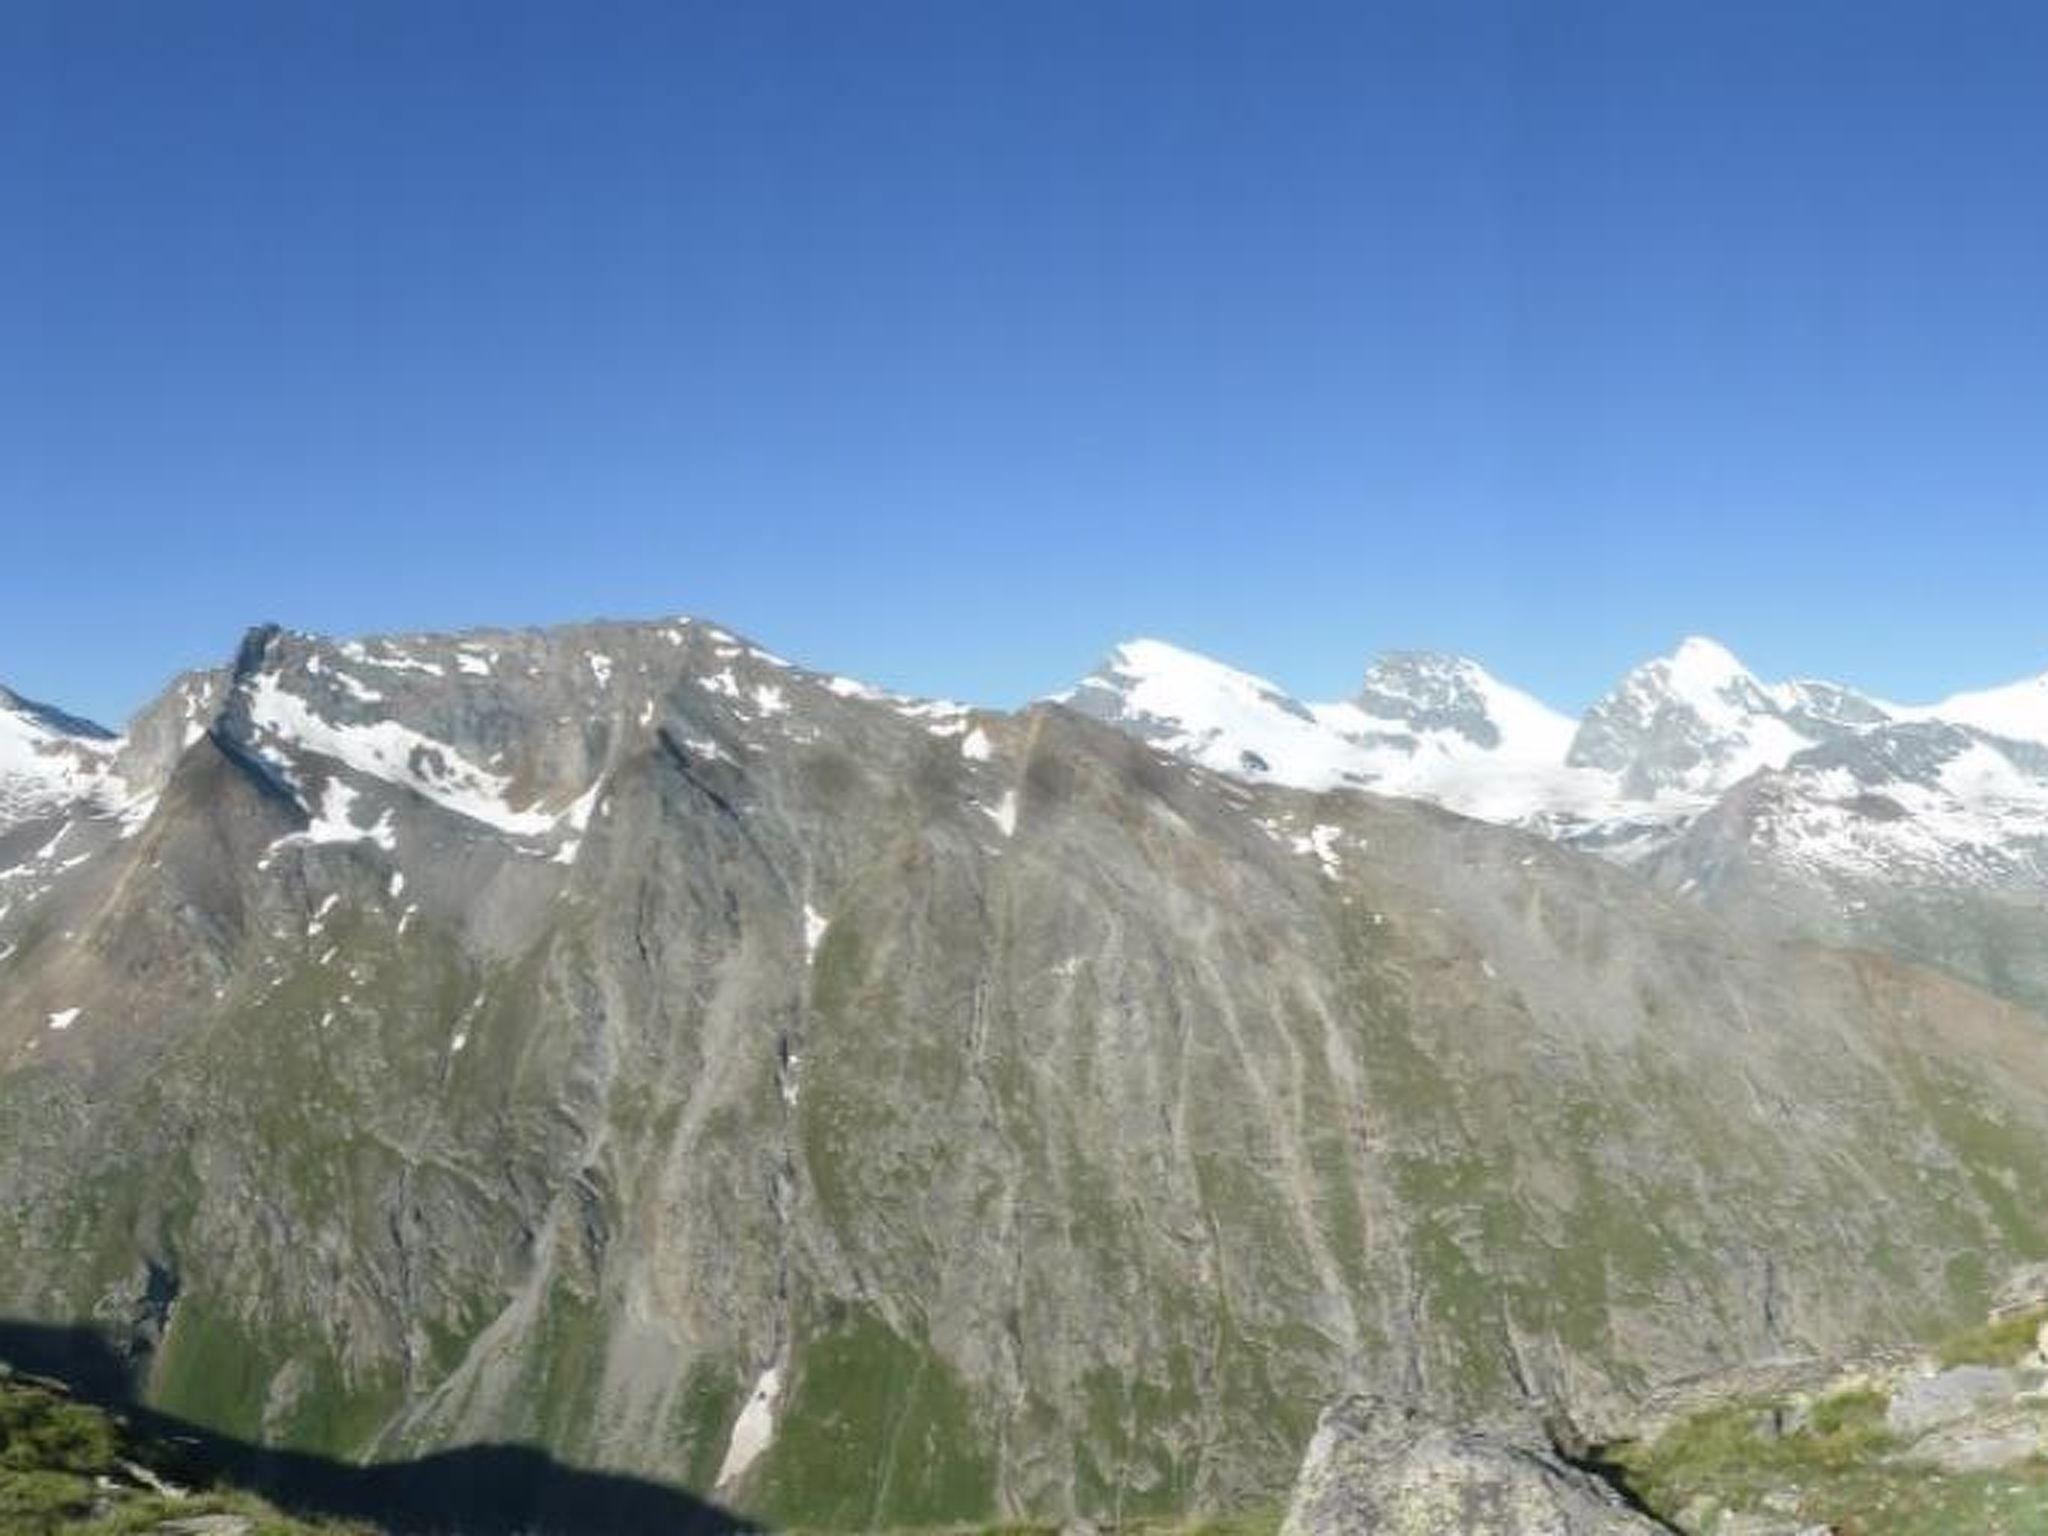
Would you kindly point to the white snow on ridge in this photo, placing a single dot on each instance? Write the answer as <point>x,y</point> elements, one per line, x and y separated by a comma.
<point>396,753</point>
<point>1240,724</point>
<point>351,686</point>
<point>2016,711</point>
<point>1418,731</point>
<point>1226,720</point>
<point>395,661</point>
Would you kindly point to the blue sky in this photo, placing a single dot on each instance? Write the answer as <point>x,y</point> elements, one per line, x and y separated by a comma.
<point>947,344</point>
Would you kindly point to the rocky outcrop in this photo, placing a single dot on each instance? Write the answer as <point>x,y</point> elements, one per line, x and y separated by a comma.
<point>1944,1439</point>
<point>1383,1468</point>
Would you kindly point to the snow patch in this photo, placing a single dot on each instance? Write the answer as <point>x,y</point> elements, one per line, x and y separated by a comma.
<point>319,922</point>
<point>351,686</point>
<point>577,820</point>
<point>397,661</point>
<point>398,754</point>
<point>1004,813</point>
<point>753,1430</point>
<point>1321,842</point>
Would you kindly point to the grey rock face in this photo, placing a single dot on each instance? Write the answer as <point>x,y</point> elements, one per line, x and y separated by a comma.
<point>1425,691</point>
<point>1378,1468</point>
<point>1986,1440</point>
<point>1919,1403</point>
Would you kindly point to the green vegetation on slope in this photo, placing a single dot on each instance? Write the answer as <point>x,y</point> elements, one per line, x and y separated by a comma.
<point>877,1423</point>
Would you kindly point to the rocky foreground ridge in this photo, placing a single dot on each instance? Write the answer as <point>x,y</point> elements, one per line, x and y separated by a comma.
<point>862,1110</point>
<point>1907,1442</point>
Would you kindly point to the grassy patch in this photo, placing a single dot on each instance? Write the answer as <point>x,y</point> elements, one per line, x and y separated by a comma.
<point>878,1431</point>
<point>1263,1521</point>
<point>1736,1453</point>
<point>2004,1341</point>
<point>1832,1463</point>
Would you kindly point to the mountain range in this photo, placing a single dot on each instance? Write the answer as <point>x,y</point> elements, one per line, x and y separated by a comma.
<point>1922,829</point>
<point>872,1110</point>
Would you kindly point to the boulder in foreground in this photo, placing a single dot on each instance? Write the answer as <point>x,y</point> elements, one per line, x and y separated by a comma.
<point>1381,1468</point>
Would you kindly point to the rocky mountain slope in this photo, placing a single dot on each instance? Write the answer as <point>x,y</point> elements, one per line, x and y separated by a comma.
<point>867,1110</point>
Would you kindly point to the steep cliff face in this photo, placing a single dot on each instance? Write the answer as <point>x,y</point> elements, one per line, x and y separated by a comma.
<point>874,1111</point>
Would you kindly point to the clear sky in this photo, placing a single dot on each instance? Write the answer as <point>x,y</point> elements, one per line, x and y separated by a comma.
<point>946,344</point>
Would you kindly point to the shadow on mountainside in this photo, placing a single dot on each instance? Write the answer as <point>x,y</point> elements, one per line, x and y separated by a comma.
<point>477,1490</point>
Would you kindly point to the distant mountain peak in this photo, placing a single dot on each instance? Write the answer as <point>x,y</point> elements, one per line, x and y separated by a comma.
<point>48,759</point>
<point>1691,722</point>
<point>49,719</point>
<point>1432,691</point>
<point>1705,654</point>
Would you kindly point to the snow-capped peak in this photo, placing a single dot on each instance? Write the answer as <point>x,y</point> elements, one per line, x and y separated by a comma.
<point>48,759</point>
<point>43,720</point>
<point>1428,726</point>
<point>1194,707</point>
<point>1428,692</point>
<point>1706,677</point>
<point>1701,663</point>
<point>1690,723</point>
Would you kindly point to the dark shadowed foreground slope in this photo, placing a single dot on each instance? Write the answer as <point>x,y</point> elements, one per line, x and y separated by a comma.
<point>188,1470</point>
